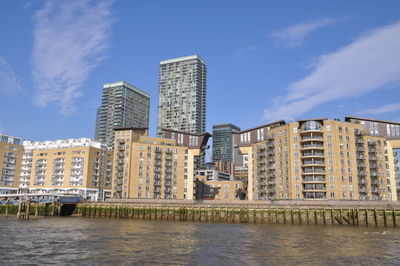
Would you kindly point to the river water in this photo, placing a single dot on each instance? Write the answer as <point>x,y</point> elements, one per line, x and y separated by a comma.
<point>94,241</point>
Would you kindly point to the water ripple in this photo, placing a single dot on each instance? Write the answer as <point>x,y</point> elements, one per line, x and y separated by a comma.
<point>82,241</point>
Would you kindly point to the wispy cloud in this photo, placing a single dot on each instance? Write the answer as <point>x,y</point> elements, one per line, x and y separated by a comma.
<point>371,62</point>
<point>70,39</point>
<point>381,110</point>
<point>9,81</point>
<point>294,35</point>
<point>241,51</point>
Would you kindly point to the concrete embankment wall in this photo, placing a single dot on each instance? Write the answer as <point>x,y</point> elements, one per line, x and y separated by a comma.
<point>277,212</point>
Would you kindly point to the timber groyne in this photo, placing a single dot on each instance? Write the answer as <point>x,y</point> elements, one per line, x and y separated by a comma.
<point>322,213</point>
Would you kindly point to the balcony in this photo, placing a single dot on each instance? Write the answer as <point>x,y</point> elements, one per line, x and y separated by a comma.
<point>362,181</point>
<point>313,162</point>
<point>311,170</point>
<point>314,179</point>
<point>10,155</point>
<point>310,130</point>
<point>312,187</point>
<point>271,145</point>
<point>312,138</point>
<point>312,154</point>
<point>312,146</point>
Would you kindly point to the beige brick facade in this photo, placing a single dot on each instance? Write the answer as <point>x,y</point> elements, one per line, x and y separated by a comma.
<point>69,166</point>
<point>317,159</point>
<point>10,161</point>
<point>154,168</point>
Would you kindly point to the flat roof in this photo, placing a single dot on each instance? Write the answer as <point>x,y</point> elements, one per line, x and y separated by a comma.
<point>180,59</point>
<point>125,84</point>
<point>226,125</point>
<point>371,120</point>
<point>129,128</point>
<point>266,125</point>
<point>187,133</point>
<point>313,119</point>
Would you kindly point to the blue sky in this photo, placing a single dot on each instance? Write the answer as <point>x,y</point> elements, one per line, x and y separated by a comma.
<point>266,60</point>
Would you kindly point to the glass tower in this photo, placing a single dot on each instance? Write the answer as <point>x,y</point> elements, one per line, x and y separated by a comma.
<point>182,95</point>
<point>122,105</point>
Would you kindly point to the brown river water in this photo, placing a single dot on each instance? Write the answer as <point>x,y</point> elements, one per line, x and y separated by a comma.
<point>104,241</point>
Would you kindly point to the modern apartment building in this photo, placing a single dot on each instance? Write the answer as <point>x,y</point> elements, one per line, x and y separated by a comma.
<point>155,168</point>
<point>79,166</point>
<point>182,95</point>
<point>391,132</point>
<point>122,105</point>
<point>10,160</point>
<point>317,159</point>
<point>223,143</point>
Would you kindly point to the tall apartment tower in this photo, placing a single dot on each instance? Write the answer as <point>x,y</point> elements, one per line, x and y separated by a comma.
<point>122,104</point>
<point>223,146</point>
<point>182,95</point>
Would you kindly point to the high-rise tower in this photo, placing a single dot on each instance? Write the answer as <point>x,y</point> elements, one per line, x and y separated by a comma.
<point>122,105</point>
<point>223,146</point>
<point>182,95</point>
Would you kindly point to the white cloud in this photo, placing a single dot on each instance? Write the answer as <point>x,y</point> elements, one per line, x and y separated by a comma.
<point>70,39</point>
<point>295,35</point>
<point>381,110</point>
<point>9,82</point>
<point>371,62</point>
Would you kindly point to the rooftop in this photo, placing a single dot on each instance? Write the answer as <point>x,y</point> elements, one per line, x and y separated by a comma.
<point>347,118</point>
<point>180,59</point>
<point>127,85</point>
<point>280,122</point>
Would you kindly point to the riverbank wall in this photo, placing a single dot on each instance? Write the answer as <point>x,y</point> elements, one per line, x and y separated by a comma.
<point>278,212</point>
<point>35,210</point>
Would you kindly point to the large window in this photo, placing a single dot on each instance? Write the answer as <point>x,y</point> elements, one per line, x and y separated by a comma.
<point>311,125</point>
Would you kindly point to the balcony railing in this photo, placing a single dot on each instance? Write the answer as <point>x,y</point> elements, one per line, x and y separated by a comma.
<point>314,145</point>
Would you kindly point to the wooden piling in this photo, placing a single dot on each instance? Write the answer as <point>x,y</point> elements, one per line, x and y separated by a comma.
<point>300,220</point>
<point>19,209</point>
<point>394,217</point>
<point>291,216</point>
<point>375,218</point>
<point>36,209</point>
<point>384,218</point>
<point>315,217</point>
